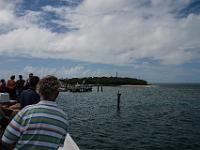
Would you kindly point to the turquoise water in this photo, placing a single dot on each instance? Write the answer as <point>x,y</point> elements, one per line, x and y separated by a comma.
<point>157,117</point>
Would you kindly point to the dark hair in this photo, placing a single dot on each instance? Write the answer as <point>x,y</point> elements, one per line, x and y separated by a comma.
<point>2,81</point>
<point>20,76</point>
<point>12,77</point>
<point>48,86</point>
<point>30,74</point>
<point>34,81</point>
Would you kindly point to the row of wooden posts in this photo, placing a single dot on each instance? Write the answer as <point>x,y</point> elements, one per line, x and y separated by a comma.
<point>99,87</point>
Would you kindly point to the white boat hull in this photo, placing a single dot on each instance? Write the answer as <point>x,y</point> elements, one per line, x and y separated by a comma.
<point>69,144</point>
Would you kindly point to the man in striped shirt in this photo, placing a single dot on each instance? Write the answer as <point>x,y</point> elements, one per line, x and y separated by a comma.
<point>42,126</point>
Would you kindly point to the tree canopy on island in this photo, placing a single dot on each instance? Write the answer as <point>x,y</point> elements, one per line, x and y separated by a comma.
<point>104,81</point>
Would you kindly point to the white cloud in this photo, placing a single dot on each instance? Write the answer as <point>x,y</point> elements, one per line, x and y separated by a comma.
<point>5,17</point>
<point>62,72</point>
<point>110,32</point>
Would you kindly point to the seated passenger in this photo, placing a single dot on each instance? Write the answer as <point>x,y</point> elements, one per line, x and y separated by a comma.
<point>30,96</point>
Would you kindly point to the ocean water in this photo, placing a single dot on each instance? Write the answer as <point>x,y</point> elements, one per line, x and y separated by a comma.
<point>150,118</point>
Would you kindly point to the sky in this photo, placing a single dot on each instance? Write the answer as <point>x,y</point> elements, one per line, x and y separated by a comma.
<point>154,40</point>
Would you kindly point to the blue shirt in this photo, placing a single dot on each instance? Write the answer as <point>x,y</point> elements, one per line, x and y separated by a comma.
<point>29,97</point>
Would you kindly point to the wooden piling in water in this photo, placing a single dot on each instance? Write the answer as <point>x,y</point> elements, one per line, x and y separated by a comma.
<point>101,88</point>
<point>118,100</point>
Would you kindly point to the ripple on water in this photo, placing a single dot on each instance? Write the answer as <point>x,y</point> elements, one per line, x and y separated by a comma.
<point>159,117</point>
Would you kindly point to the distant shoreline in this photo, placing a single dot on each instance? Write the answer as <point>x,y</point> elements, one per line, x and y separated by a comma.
<point>149,85</point>
<point>105,81</point>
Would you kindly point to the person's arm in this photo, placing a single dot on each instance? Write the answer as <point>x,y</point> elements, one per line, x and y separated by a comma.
<point>2,113</point>
<point>8,84</point>
<point>62,141</point>
<point>8,146</point>
<point>12,132</point>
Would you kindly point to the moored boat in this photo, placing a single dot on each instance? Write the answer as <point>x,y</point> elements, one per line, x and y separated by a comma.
<point>80,88</point>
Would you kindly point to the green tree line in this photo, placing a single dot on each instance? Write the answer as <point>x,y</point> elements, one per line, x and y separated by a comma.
<point>104,81</point>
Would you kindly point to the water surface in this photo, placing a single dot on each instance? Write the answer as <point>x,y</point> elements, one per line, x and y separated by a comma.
<point>150,118</point>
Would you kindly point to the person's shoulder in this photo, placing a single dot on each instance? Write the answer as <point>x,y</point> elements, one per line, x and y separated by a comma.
<point>29,91</point>
<point>29,107</point>
<point>27,110</point>
<point>64,114</point>
<point>57,109</point>
<point>25,91</point>
<point>35,93</point>
<point>24,110</point>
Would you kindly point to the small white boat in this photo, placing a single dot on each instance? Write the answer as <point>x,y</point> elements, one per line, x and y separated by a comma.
<point>69,144</point>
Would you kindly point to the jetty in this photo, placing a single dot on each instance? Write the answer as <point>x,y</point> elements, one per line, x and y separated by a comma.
<point>80,88</point>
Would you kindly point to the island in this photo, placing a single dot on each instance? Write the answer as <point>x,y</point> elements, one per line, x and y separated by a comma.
<point>105,81</point>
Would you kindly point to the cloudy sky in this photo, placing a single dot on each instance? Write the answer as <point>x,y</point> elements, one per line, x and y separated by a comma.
<point>155,40</point>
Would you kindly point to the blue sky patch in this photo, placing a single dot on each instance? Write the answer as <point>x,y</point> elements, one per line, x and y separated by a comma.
<point>153,40</point>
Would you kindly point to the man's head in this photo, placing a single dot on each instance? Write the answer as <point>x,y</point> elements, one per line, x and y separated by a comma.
<point>30,75</point>
<point>20,77</point>
<point>48,87</point>
<point>3,81</point>
<point>34,81</point>
<point>12,77</point>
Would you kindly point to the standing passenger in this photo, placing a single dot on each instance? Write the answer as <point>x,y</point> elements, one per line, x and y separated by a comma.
<point>27,84</point>
<point>11,85</point>
<point>3,88</point>
<point>20,85</point>
<point>40,126</point>
<point>30,96</point>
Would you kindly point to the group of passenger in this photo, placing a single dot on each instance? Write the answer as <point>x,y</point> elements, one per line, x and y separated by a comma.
<point>21,90</point>
<point>41,124</point>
